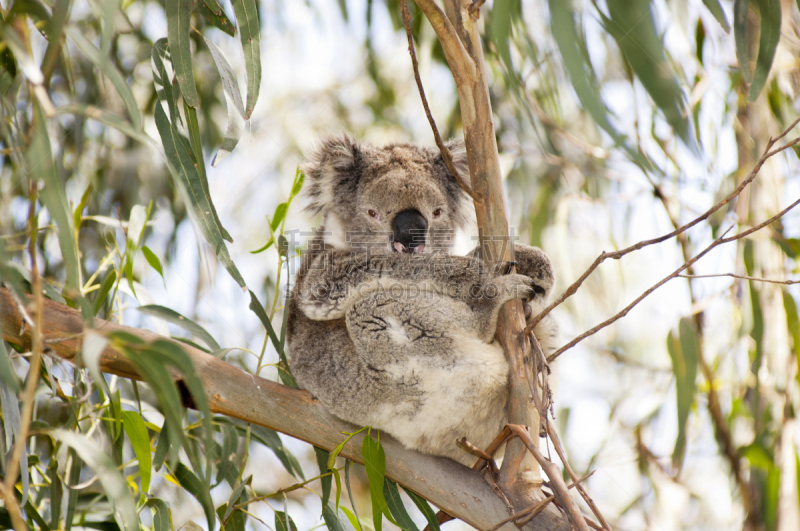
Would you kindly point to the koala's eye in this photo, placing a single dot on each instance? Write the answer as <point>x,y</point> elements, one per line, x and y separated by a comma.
<point>437,212</point>
<point>373,214</point>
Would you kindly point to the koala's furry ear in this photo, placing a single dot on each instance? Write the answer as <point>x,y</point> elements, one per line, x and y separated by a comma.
<point>331,167</point>
<point>458,150</point>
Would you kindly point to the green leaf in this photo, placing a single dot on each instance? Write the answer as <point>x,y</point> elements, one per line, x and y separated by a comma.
<point>354,517</point>
<point>740,13</point>
<point>792,325</point>
<point>77,214</point>
<point>108,69</point>
<point>284,522</point>
<point>154,262</point>
<point>684,351</point>
<point>171,316</point>
<point>161,517</point>
<point>326,482</point>
<point>191,188</point>
<point>424,508</point>
<point>105,288</point>
<point>354,521</point>
<point>265,247</point>
<point>502,15</point>
<point>375,463</point>
<point>11,427</point>
<point>37,12</point>
<point>54,197</point>
<point>215,16</point>
<point>631,23</point>
<point>271,440</point>
<point>237,492</point>
<point>137,434</point>
<point>716,10</point>
<point>283,372</point>
<point>56,493</point>
<point>7,374</point>
<point>297,185</point>
<point>331,519</point>
<point>162,448</point>
<point>106,118</point>
<point>396,507</point>
<point>161,63</point>
<point>233,102</point>
<point>179,13</point>
<point>277,217</point>
<point>74,478</point>
<point>189,481</point>
<point>768,42</point>
<point>246,12</point>
<point>114,486</point>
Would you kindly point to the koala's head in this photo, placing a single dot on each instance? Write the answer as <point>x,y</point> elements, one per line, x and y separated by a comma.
<point>396,198</point>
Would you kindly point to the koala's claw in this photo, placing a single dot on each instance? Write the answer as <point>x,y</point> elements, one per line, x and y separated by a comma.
<point>505,268</point>
<point>538,289</point>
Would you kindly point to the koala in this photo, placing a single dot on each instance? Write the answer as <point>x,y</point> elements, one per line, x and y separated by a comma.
<point>387,328</point>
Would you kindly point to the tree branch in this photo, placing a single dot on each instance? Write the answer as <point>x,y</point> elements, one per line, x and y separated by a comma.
<point>460,62</point>
<point>616,255</point>
<point>405,14</point>
<point>231,391</point>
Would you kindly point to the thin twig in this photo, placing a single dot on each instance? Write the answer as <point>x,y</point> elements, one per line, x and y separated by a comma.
<point>616,255</point>
<point>475,9</point>
<point>446,155</point>
<point>470,448</point>
<point>523,521</point>
<point>743,277</point>
<point>562,455</point>
<point>554,474</point>
<point>719,241</point>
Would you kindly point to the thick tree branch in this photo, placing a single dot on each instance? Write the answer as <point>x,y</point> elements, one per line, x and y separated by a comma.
<point>457,57</point>
<point>231,391</point>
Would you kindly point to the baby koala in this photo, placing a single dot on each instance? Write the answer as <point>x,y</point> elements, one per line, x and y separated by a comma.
<point>386,327</point>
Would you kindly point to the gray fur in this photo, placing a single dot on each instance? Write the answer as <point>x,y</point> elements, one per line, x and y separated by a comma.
<point>404,342</point>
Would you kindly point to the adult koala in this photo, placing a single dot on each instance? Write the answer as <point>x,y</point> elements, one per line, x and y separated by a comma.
<point>387,328</point>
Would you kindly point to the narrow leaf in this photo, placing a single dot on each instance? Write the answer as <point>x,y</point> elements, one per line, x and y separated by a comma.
<point>154,262</point>
<point>188,181</point>
<point>215,16</point>
<point>178,18</point>
<point>171,316</point>
<point>189,481</point>
<point>331,519</point>
<point>105,288</point>
<point>375,464</point>
<point>233,102</point>
<point>425,508</point>
<point>357,524</point>
<point>108,69</point>
<point>114,486</point>
<point>284,522</point>
<point>684,352</point>
<point>54,197</point>
<point>161,518</point>
<point>740,12</point>
<point>716,10</point>
<point>246,12</point>
<point>768,42</point>
<point>137,434</point>
<point>632,25</point>
<point>396,507</point>
<point>326,482</point>
<point>277,217</point>
<point>283,372</point>
<point>8,376</point>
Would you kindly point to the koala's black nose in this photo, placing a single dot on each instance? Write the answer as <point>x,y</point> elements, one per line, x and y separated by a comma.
<point>408,229</point>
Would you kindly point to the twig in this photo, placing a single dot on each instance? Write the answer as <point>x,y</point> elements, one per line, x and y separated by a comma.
<point>557,482</point>
<point>470,448</point>
<point>616,255</point>
<point>719,241</point>
<point>446,155</point>
<point>562,455</point>
<point>29,393</point>
<point>475,9</point>
<point>488,475</point>
<point>743,277</point>
<point>537,510</point>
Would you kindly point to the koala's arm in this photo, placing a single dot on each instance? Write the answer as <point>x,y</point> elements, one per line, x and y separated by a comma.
<point>332,281</point>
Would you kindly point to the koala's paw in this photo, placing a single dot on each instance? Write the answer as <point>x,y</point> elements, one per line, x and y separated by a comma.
<point>509,287</point>
<point>533,263</point>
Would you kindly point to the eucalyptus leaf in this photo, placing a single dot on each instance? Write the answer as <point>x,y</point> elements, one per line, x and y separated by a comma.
<point>246,12</point>
<point>233,102</point>
<point>425,508</point>
<point>161,518</point>
<point>179,14</point>
<point>140,441</point>
<point>189,481</point>
<point>740,13</point>
<point>114,484</point>
<point>109,70</point>
<point>396,507</point>
<point>171,316</point>
<point>716,10</point>
<point>684,351</point>
<point>768,42</point>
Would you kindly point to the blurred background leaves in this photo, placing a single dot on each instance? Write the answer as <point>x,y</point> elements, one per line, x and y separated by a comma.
<point>615,122</point>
